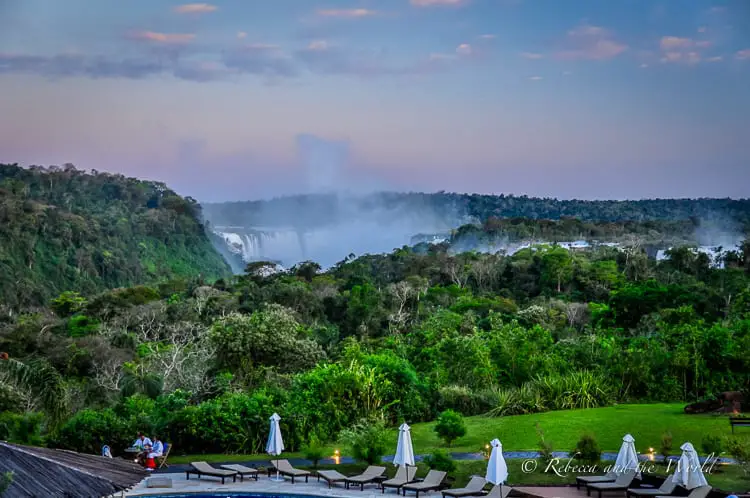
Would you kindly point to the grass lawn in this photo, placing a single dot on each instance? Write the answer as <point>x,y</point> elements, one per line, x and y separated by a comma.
<point>646,422</point>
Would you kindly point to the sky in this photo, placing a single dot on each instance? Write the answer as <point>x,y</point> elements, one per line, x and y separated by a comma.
<point>246,99</point>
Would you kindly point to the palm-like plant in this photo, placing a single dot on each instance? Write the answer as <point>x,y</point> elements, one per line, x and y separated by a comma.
<point>43,380</point>
<point>136,380</point>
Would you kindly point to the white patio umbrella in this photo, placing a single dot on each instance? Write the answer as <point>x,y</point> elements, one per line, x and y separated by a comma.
<point>404,450</point>
<point>275,444</point>
<point>627,458</point>
<point>689,473</point>
<point>497,470</point>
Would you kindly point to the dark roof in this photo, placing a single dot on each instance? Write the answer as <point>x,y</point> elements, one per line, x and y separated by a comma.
<point>48,473</point>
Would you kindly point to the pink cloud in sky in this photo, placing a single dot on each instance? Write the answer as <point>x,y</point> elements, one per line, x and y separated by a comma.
<point>431,3</point>
<point>346,13</point>
<point>589,42</point>
<point>153,36</point>
<point>195,8</point>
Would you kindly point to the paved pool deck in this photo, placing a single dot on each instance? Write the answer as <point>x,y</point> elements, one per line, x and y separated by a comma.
<point>301,462</point>
<point>180,486</point>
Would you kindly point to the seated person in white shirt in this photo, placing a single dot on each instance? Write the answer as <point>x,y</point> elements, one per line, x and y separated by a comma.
<point>144,444</point>
<point>157,449</point>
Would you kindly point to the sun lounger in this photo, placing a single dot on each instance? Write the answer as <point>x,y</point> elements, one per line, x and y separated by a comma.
<point>370,475</point>
<point>432,481</point>
<point>622,483</point>
<point>285,469</point>
<point>404,475</point>
<point>474,488</point>
<point>499,491</point>
<point>242,471</point>
<point>666,489</point>
<point>584,480</point>
<point>699,492</point>
<point>204,469</point>
<point>331,476</point>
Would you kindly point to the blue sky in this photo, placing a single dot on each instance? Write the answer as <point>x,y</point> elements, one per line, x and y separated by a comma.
<point>239,99</point>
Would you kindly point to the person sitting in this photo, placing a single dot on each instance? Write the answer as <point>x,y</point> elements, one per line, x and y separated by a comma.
<point>157,449</point>
<point>144,444</point>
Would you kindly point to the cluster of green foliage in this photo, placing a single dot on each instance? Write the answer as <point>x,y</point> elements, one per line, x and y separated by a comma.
<point>545,446</point>
<point>6,479</point>
<point>739,449</point>
<point>64,229</point>
<point>657,233</point>
<point>313,210</point>
<point>587,449</point>
<point>665,449</point>
<point>367,442</point>
<point>440,460</point>
<point>374,340</point>
<point>450,426</point>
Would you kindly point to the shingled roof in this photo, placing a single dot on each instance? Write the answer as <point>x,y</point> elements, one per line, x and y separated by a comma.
<point>44,472</point>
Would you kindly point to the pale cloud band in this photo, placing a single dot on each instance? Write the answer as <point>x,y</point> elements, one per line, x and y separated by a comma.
<point>195,8</point>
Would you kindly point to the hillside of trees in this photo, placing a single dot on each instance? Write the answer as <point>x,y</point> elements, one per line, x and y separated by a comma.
<point>659,234</point>
<point>392,337</point>
<point>309,211</point>
<point>111,324</point>
<point>64,229</point>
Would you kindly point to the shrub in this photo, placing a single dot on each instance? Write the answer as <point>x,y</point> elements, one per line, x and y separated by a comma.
<point>233,423</point>
<point>666,445</point>
<point>712,445</point>
<point>6,479</point>
<point>467,401</point>
<point>24,429</point>
<point>739,448</point>
<point>545,447</point>
<point>518,401</point>
<point>575,390</point>
<point>587,449</point>
<point>570,391</point>
<point>440,460</point>
<point>314,451</point>
<point>82,326</point>
<point>88,430</point>
<point>450,426</point>
<point>367,441</point>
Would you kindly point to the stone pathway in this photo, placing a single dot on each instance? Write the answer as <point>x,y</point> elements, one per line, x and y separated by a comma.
<point>180,485</point>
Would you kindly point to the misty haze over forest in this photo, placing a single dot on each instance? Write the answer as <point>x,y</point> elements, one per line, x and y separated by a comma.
<point>338,215</point>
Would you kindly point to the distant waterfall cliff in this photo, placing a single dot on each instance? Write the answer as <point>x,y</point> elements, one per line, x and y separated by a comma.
<point>259,245</point>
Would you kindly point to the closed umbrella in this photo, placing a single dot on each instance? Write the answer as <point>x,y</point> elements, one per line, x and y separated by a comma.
<point>275,444</point>
<point>689,473</point>
<point>627,458</point>
<point>497,470</point>
<point>404,449</point>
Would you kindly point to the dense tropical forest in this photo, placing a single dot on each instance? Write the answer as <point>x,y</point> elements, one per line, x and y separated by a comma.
<point>401,336</point>
<point>455,209</point>
<point>65,229</point>
<point>387,338</point>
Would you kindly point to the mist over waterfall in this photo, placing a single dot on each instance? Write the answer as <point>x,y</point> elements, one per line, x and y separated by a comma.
<point>339,215</point>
